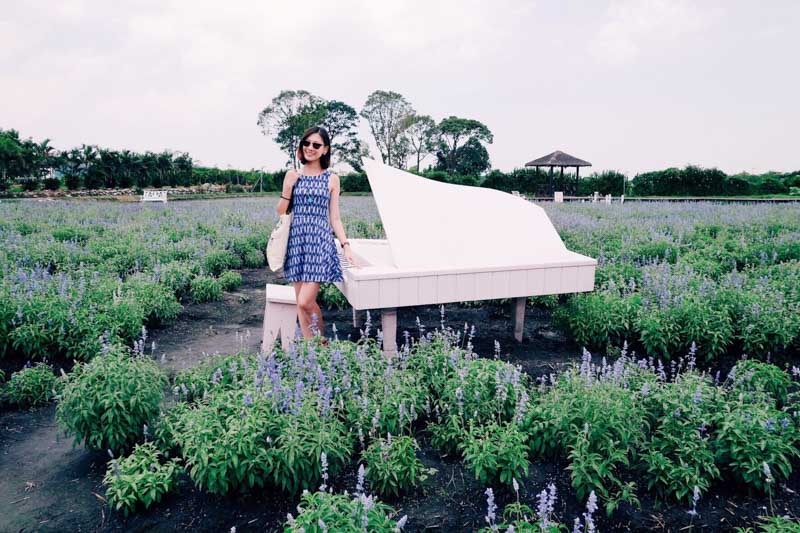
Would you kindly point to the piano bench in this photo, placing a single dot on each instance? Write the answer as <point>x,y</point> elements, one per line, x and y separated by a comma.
<point>280,316</point>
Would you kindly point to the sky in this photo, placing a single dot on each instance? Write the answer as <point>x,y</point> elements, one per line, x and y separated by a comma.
<point>628,85</point>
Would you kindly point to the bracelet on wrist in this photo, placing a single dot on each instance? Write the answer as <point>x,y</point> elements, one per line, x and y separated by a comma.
<point>345,243</point>
<point>287,199</point>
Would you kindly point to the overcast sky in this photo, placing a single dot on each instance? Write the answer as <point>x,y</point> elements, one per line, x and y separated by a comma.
<point>632,85</point>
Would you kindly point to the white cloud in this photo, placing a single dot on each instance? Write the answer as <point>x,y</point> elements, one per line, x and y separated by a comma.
<point>632,26</point>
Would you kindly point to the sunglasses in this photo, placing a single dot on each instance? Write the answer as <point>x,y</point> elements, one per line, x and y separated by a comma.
<point>316,146</point>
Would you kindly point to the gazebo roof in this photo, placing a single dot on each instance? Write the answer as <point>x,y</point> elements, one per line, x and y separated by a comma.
<point>558,159</point>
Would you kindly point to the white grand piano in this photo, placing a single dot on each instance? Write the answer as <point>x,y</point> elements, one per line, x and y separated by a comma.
<point>452,243</point>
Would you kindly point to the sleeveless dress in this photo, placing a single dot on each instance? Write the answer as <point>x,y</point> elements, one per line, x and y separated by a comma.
<point>311,253</point>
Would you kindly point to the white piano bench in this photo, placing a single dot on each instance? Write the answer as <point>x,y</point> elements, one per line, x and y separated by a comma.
<point>280,316</point>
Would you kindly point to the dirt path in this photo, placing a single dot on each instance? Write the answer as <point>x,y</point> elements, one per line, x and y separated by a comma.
<point>46,484</point>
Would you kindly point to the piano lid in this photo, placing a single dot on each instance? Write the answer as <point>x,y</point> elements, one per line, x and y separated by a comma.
<point>435,225</point>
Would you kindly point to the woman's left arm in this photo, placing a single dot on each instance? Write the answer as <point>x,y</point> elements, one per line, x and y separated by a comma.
<point>336,219</point>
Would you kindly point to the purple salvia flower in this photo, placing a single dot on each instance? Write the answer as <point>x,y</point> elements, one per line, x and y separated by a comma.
<point>591,507</point>
<point>767,473</point>
<point>360,480</point>
<point>323,462</point>
<point>691,356</point>
<point>695,499</point>
<point>491,509</point>
<point>698,396</point>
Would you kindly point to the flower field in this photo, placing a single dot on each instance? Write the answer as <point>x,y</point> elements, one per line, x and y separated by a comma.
<point>679,409</point>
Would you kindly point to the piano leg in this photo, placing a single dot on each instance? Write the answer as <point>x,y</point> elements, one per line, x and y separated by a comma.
<point>518,312</point>
<point>389,329</point>
<point>356,319</point>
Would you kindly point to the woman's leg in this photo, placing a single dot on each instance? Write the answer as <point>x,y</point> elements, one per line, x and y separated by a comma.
<point>307,307</point>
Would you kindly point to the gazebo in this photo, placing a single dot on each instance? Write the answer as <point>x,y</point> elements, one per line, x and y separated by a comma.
<point>559,159</point>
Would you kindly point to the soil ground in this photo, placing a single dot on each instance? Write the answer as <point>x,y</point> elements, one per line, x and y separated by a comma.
<point>48,485</point>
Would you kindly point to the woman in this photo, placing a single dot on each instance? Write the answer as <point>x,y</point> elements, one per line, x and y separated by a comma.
<point>311,256</point>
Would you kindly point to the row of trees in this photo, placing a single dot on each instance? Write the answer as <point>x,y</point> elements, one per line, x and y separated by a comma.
<point>35,164</point>
<point>87,166</point>
<point>696,181</point>
<point>403,137</point>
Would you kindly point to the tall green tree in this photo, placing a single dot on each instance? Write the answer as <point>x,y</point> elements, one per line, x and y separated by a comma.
<point>90,169</point>
<point>288,116</point>
<point>454,132</point>
<point>341,121</point>
<point>422,135</point>
<point>471,159</point>
<point>11,157</point>
<point>386,113</point>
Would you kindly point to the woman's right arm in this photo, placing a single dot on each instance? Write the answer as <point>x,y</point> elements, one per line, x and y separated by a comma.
<point>288,183</point>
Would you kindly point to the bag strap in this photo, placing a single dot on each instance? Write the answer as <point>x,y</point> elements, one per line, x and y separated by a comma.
<point>291,199</point>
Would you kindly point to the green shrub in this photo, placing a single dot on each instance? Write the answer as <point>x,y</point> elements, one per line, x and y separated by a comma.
<point>216,262</point>
<point>751,376</point>
<point>598,319</point>
<point>254,259</point>
<point>482,391</point>
<point>393,466</point>
<point>331,297</point>
<point>157,301</point>
<point>680,454</point>
<point>31,386</point>
<point>205,289</point>
<point>756,442</point>
<point>139,478</point>
<point>106,402</point>
<point>230,280</point>
<point>323,511</point>
<point>592,417</point>
<point>236,439</point>
<point>549,301</point>
<point>215,373</point>
<point>167,428</point>
<point>177,276</point>
<point>496,453</point>
<point>69,233</point>
<point>774,524</point>
<point>766,324</point>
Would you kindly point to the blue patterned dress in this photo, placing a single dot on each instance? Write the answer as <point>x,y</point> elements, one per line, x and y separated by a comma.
<point>311,253</point>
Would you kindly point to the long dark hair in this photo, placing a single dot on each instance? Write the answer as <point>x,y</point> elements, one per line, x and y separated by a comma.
<point>324,160</point>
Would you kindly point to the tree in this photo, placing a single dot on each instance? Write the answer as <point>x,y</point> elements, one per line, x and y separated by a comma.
<point>90,169</point>
<point>454,132</point>
<point>289,115</point>
<point>385,111</point>
<point>341,121</point>
<point>422,135</point>
<point>11,157</point>
<point>471,159</point>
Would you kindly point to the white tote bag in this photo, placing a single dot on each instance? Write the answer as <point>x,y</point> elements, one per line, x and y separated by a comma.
<point>278,241</point>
